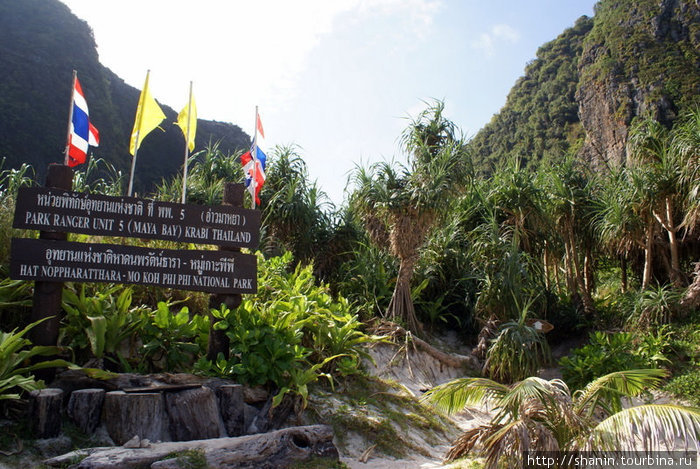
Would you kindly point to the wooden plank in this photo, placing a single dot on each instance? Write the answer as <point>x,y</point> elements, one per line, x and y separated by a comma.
<point>162,388</point>
<point>51,209</point>
<point>63,261</point>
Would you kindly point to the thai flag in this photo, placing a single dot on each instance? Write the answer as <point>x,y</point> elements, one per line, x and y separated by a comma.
<point>253,162</point>
<point>82,132</point>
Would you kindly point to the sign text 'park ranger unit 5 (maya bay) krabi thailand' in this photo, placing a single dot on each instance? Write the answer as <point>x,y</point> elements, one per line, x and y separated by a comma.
<point>49,209</point>
<point>53,210</point>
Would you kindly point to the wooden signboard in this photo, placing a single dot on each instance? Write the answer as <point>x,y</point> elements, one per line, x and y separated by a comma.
<point>64,261</point>
<point>50,209</point>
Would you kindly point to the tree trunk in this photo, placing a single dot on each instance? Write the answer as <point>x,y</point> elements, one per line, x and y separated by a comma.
<point>545,263</point>
<point>623,273</point>
<point>128,414</point>
<point>648,246</point>
<point>588,305</point>
<point>666,221</point>
<point>588,271</point>
<point>46,412</point>
<point>569,266</point>
<point>401,305</point>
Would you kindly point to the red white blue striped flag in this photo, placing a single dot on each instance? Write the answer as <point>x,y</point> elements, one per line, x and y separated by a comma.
<point>82,132</point>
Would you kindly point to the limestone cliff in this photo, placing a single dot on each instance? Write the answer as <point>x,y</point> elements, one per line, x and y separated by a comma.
<point>641,58</point>
<point>584,89</point>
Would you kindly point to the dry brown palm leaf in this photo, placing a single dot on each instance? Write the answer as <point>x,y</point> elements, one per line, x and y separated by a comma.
<point>466,442</point>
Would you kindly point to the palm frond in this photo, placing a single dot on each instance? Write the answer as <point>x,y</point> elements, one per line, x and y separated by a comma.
<point>455,395</point>
<point>532,388</point>
<point>647,427</point>
<point>605,392</point>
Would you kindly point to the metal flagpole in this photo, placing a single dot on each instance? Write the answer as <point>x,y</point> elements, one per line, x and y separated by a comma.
<point>70,118</point>
<point>187,146</point>
<point>133,162</point>
<point>254,156</point>
<point>137,126</point>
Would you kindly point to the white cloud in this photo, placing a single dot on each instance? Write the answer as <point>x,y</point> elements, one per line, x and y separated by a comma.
<point>499,34</point>
<point>238,54</point>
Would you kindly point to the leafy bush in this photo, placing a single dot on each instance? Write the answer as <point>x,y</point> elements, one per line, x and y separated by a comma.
<point>656,306</point>
<point>290,334</point>
<point>15,354</point>
<point>15,302</point>
<point>171,341</point>
<point>98,320</point>
<point>517,352</point>
<point>605,353</point>
<point>262,352</point>
<point>686,386</point>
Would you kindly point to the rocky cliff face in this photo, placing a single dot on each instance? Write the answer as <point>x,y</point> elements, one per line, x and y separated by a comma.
<point>640,59</point>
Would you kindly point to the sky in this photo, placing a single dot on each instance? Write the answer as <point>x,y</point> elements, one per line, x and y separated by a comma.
<point>338,79</point>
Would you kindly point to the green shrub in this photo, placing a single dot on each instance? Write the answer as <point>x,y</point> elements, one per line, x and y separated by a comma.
<point>686,386</point>
<point>289,334</point>
<point>516,353</point>
<point>15,353</point>
<point>172,340</point>
<point>261,353</point>
<point>605,353</point>
<point>99,320</point>
<point>656,306</point>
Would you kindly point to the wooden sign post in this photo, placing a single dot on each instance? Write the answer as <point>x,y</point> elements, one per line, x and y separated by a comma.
<point>48,294</point>
<point>51,260</point>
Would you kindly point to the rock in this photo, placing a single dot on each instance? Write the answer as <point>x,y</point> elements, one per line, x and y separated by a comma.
<point>135,442</point>
<point>85,407</point>
<point>129,414</point>
<point>193,415</point>
<point>49,447</point>
<point>276,449</point>
<point>46,412</point>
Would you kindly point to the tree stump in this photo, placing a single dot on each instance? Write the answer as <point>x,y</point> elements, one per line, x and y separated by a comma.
<point>193,415</point>
<point>85,408</point>
<point>46,412</point>
<point>128,414</point>
<point>231,408</point>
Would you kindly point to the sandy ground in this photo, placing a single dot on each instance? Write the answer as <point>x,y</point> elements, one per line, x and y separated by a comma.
<point>416,372</point>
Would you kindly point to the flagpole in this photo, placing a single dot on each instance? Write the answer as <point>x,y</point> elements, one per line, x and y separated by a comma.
<point>254,155</point>
<point>137,126</point>
<point>187,146</point>
<point>70,117</point>
<point>133,163</point>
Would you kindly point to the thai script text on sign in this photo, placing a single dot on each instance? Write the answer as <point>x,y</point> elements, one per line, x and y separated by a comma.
<point>48,209</point>
<point>64,261</point>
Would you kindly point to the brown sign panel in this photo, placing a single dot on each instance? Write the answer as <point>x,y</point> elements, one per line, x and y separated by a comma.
<point>46,209</point>
<point>63,261</point>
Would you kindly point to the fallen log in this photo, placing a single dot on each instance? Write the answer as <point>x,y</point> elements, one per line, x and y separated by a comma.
<point>278,449</point>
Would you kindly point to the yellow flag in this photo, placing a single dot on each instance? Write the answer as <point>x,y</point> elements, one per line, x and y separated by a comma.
<point>148,116</point>
<point>188,125</point>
